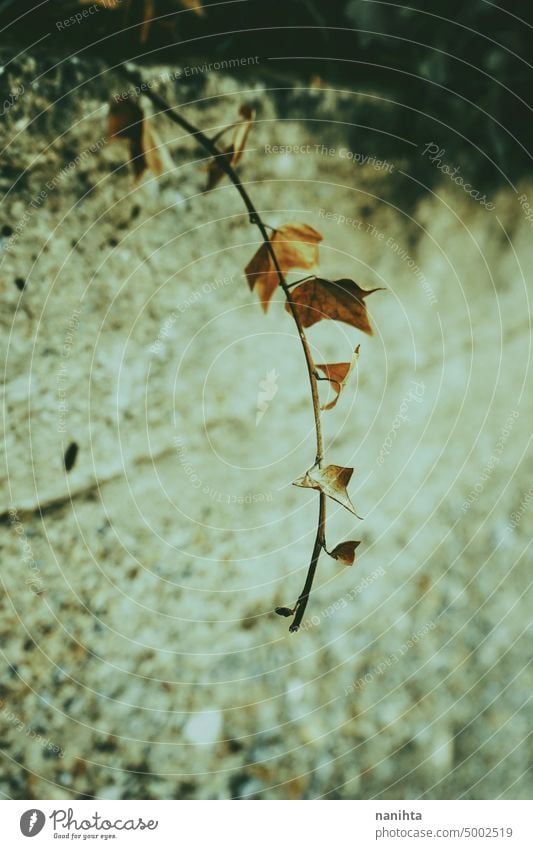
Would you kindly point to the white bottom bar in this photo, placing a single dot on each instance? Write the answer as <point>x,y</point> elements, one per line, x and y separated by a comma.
<point>269,824</point>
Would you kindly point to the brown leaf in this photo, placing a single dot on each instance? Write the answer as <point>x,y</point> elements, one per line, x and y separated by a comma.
<point>345,551</point>
<point>127,121</point>
<point>139,14</point>
<point>242,131</point>
<point>340,300</point>
<point>195,5</point>
<point>148,16</point>
<point>215,171</point>
<point>295,246</point>
<point>262,275</point>
<point>143,14</point>
<point>338,374</point>
<point>332,481</point>
<point>233,153</point>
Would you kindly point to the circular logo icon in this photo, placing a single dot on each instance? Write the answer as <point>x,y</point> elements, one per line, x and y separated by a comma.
<point>32,822</point>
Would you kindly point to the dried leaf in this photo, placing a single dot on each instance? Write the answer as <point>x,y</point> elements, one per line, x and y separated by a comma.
<point>338,374</point>
<point>195,5</point>
<point>143,14</point>
<point>345,551</point>
<point>262,275</point>
<point>127,121</point>
<point>242,131</point>
<point>215,171</point>
<point>295,246</point>
<point>140,14</point>
<point>340,300</point>
<point>148,16</point>
<point>284,611</point>
<point>233,153</point>
<point>332,481</point>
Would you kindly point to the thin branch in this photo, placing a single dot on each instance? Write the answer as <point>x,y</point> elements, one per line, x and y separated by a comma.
<point>255,218</point>
<point>223,132</point>
<point>303,598</point>
<point>301,280</point>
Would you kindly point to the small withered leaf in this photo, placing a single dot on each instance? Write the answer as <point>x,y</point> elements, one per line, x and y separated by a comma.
<point>262,275</point>
<point>148,16</point>
<point>345,551</point>
<point>195,5</point>
<point>295,246</point>
<point>284,611</point>
<point>233,153</point>
<point>140,15</point>
<point>242,131</point>
<point>341,300</point>
<point>143,14</point>
<point>127,121</point>
<point>70,455</point>
<point>338,374</point>
<point>332,481</point>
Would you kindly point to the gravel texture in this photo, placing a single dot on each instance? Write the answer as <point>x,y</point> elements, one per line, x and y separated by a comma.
<point>141,655</point>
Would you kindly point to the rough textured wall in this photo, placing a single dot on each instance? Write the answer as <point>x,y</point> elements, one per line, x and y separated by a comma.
<point>142,657</point>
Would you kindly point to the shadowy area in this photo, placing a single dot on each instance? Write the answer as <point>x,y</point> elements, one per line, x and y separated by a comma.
<point>446,73</point>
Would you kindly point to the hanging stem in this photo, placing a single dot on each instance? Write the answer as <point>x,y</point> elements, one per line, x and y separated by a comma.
<point>255,218</point>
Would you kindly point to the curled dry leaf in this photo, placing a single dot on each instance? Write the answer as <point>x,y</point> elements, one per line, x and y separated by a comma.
<point>284,611</point>
<point>345,551</point>
<point>295,246</point>
<point>127,121</point>
<point>233,153</point>
<point>340,300</point>
<point>338,374</point>
<point>332,481</point>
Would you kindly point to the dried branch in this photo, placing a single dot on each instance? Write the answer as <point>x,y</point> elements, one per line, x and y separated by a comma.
<point>255,218</point>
